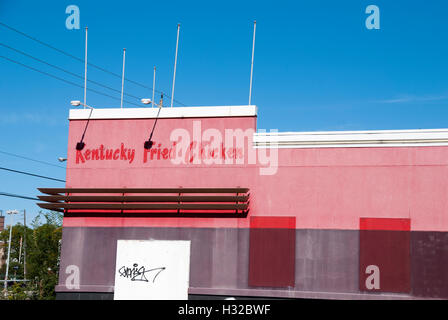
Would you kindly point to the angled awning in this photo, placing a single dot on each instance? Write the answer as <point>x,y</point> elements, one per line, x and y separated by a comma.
<point>146,200</point>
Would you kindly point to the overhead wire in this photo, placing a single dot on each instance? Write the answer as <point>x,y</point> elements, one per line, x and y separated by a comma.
<point>64,70</point>
<point>16,196</point>
<point>82,60</point>
<point>65,80</point>
<point>30,159</point>
<point>31,174</point>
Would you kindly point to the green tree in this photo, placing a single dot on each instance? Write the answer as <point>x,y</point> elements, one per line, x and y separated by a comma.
<point>16,260</point>
<point>21,291</point>
<point>42,256</point>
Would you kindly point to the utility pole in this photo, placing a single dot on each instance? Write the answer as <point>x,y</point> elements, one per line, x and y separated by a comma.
<point>20,254</point>
<point>11,212</point>
<point>7,261</point>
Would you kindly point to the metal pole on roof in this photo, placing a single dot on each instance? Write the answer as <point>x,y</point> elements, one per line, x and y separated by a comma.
<point>175,64</point>
<point>252,64</point>
<point>122,77</point>
<point>153,86</point>
<point>85,71</point>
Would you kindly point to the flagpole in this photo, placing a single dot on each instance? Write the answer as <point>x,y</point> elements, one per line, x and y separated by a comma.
<point>153,86</point>
<point>175,64</point>
<point>85,72</point>
<point>252,64</point>
<point>122,77</point>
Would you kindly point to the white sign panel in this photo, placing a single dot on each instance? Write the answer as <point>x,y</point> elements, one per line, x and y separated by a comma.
<point>152,270</point>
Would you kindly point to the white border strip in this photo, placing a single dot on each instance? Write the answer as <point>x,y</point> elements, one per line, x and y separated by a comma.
<point>352,139</point>
<point>178,112</point>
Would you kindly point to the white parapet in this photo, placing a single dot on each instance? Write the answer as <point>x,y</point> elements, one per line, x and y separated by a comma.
<point>166,112</point>
<point>355,139</point>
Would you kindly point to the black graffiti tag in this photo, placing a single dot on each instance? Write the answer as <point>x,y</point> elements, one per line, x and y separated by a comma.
<point>136,273</point>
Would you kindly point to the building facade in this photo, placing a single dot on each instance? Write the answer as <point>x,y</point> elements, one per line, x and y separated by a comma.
<point>337,215</point>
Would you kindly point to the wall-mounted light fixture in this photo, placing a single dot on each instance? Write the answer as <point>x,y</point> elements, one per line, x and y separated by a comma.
<point>149,143</point>
<point>80,145</point>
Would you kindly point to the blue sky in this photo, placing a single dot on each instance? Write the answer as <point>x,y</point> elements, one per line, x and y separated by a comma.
<point>317,67</point>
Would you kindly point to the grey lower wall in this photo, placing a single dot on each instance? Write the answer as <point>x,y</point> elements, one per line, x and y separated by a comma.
<point>326,262</point>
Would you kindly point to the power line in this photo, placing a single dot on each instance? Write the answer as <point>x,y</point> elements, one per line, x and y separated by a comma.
<point>31,174</point>
<point>82,60</point>
<point>41,42</point>
<point>16,196</point>
<point>30,159</point>
<point>65,80</point>
<point>64,70</point>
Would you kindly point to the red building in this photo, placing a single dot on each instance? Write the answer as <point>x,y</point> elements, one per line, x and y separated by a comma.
<point>344,215</point>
